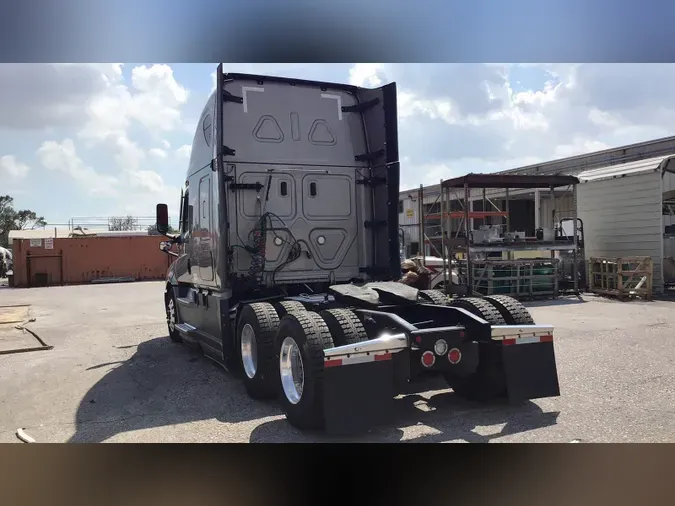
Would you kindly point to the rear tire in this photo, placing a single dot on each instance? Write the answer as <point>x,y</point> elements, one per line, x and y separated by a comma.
<point>480,308</point>
<point>302,337</point>
<point>344,326</point>
<point>284,307</point>
<point>513,312</point>
<point>489,380</point>
<point>172,317</point>
<point>434,296</point>
<point>256,333</point>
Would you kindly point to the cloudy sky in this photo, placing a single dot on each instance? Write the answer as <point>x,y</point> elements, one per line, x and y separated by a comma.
<point>111,139</point>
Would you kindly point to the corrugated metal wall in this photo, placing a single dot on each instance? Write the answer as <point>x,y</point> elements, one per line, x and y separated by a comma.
<point>564,208</point>
<point>622,217</point>
<point>408,218</point>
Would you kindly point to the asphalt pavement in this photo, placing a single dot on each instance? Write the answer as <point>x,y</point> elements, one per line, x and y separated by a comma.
<point>113,375</point>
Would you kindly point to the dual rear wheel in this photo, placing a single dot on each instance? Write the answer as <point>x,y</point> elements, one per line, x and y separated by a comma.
<point>489,380</point>
<point>281,354</point>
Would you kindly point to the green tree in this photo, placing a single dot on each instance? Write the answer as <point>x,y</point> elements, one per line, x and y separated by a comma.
<point>152,230</point>
<point>119,223</point>
<point>11,219</point>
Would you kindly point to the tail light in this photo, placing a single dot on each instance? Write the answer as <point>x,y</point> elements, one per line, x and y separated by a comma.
<point>454,356</point>
<point>428,359</point>
<point>441,347</point>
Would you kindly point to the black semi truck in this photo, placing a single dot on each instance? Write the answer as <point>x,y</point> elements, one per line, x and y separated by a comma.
<point>287,260</point>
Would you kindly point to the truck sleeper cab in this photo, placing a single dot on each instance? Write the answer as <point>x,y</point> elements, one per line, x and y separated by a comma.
<point>286,255</point>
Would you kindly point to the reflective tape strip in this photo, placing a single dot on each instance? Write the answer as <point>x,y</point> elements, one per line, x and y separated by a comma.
<point>356,359</point>
<point>527,340</point>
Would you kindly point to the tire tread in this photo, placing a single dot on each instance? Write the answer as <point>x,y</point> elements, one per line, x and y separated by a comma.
<point>317,338</point>
<point>513,311</point>
<point>480,308</point>
<point>434,296</point>
<point>284,307</point>
<point>267,321</point>
<point>345,327</point>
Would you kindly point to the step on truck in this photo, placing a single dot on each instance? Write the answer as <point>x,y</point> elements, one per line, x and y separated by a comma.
<point>286,263</point>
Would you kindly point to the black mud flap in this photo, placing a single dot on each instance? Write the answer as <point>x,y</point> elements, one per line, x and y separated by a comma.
<point>358,397</point>
<point>531,371</point>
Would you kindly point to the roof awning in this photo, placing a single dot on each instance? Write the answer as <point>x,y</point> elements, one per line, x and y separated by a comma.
<point>658,164</point>
<point>511,181</point>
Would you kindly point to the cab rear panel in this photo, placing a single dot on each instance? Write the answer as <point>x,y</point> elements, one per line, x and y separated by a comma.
<point>320,167</point>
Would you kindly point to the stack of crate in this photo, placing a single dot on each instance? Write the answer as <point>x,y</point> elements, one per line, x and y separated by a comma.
<point>524,278</point>
<point>624,277</point>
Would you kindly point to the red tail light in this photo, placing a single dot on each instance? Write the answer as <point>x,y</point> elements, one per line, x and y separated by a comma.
<point>454,356</point>
<point>428,359</point>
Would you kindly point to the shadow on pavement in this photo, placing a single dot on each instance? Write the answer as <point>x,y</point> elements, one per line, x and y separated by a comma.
<point>166,384</point>
<point>162,384</point>
<point>562,301</point>
<point>449,418</point>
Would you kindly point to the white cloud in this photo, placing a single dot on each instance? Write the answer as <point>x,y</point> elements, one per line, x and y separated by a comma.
<point>11,167</point>
<point>184,151</point>
<point>157,153</point>
<point>368,75</point>
<point>154,100</point>
<point>499,116</point>
<point>158,99</point>
<point>145,180</point>
<point>39,96</point>
<point>113,114</point>
<point>579,146</point>
<point>453,118</point>
<point>62,157</point>
<point>129,156</point>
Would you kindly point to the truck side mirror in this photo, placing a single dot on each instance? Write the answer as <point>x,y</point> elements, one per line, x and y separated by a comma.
<point>162,218</point>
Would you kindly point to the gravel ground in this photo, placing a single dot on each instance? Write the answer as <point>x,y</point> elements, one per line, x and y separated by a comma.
<point>114,376</point>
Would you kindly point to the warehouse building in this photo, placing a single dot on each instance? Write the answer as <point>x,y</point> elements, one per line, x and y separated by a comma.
<point>530,210</point>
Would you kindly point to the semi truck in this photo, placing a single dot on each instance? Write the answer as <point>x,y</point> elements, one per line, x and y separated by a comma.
<point>286,263</point>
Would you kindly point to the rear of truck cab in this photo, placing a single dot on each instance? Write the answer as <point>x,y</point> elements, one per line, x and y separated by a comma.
<point>326,156</point>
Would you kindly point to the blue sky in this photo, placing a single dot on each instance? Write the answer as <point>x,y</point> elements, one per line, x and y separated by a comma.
<point>110,139</point>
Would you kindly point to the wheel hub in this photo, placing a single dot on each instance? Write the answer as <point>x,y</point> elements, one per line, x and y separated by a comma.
<point>249,351</point>
<point>291,370</point>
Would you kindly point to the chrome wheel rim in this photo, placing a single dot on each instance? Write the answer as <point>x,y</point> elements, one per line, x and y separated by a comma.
<point>249,351</point>
<point>291,370</point>
<point>171,316</point>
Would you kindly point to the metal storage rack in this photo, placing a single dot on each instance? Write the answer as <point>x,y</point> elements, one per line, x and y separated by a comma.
<point>526,278</point>
<point>481,274</point>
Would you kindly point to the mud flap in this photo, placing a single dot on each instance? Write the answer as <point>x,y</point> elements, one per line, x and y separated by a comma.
<point>358,397</point>
<point>531,371</point>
